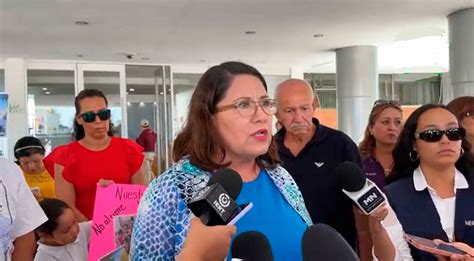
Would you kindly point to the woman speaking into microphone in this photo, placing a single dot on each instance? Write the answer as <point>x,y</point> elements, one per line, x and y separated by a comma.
<point>229,125</point>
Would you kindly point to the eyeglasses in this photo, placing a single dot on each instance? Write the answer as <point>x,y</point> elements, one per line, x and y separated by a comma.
<point>90,115</point>
<point>453,134</point>
<point>247,107</point>
<point>387,102</point>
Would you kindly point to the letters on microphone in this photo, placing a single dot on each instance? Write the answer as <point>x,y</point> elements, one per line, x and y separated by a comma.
<point>216,197</point>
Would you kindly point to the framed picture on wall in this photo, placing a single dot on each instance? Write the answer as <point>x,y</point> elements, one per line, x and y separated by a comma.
<point>3,114</point>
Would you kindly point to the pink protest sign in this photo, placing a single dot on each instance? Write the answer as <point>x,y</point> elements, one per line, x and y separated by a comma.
<point>114,200</point>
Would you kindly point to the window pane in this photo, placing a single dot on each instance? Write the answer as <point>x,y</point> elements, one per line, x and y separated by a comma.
<point>324,85</point>
<point>184,84</point>
<point>417,88</point>
<point>385,86</point>
<point>321,80</point>
<point>141,98</point>
<point>51,106</point>
<point>327,99</point>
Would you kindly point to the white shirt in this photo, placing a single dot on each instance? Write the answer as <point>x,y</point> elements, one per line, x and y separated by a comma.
<point>75,251</point>
<point>20,213</point>
<point>444,207</point>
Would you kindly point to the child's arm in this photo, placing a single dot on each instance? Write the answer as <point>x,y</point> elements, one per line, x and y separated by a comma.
<point>25,247</point>
<point>85,231</point>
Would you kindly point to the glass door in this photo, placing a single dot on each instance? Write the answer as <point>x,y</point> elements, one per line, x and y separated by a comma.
<point>50,102</point>
<point>150,98</point>
<point>164,93</point>
<point>136,93</point>
<point>110,79</point>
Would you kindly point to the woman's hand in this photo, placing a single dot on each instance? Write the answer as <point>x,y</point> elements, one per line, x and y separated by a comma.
<point>461,246</point>
<point>455,257</point>
<point>206,243</point>
<point>380,212</point>
<point>105,182</point>
<point>383,246</point>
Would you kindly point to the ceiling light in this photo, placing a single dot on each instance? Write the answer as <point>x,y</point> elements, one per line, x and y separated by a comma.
<point>47,93</point>
<point>161,93</point>
<point>44,89</point>
<point>131,89</point>
<point>318,35</point>
<point>82,23</point>
<point>141,104</point>
<point>250,32</point>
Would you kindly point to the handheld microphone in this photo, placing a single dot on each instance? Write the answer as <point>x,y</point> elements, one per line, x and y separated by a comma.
<point>362,191</point>
<point>252,246</point>
<point>322,242</point>
<point>215,204</point>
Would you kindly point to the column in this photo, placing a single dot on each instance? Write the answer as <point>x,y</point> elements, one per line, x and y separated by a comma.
<point>15,86</point>
<point>461,52</point>
<point>357,88</point>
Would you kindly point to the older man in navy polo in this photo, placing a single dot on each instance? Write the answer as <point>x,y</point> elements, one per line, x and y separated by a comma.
<point>311,151</point>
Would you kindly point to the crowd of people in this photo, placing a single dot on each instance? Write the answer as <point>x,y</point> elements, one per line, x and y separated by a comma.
<point>425,167</point>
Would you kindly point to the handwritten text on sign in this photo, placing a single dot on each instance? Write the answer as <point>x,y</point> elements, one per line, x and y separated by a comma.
<point>114,200</point>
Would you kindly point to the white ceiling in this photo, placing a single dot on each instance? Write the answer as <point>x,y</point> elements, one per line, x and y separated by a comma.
<point>206,32</point>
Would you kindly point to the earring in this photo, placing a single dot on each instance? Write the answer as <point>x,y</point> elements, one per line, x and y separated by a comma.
<point>462,152</point>
<point>413,158</point>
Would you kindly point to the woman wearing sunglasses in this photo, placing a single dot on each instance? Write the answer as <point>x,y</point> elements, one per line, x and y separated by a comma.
<point>229,125</point>
<point>94,156</point>
<point>431,188</point>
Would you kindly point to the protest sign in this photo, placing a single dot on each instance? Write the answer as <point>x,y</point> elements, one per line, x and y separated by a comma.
<point>114,200</point>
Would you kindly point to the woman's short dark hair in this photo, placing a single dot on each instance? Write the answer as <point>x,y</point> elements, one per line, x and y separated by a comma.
<point>27,146</point>
<point>53,208</point>
<point>87,93</point>
<point>196,138</point>
<point>403,164</point>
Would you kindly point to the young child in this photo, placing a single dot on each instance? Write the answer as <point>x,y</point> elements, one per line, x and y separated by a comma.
<point>29,153</point>
<point>62,237</point>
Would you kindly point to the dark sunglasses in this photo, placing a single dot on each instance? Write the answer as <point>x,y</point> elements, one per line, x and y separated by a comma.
<point>90,115</point>
<point>453,134</point>
<point>387,102</point>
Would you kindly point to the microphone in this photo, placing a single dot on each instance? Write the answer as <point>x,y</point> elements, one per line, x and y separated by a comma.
<point>362,191</point>
<point>322,242</point>
<point>215,204</point>
<point>251,246</point>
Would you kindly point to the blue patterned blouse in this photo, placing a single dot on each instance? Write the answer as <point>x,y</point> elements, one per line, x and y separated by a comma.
<point>163,217</point>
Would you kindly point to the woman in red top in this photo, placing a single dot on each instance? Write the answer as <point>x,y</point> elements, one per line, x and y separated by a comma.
<point>94,156</point>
